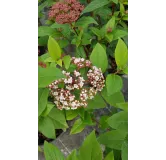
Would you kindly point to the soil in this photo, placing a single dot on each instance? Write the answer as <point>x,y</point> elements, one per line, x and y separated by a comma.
<point>42,138</point>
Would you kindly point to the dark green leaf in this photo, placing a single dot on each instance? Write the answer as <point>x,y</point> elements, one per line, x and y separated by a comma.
<point>51,152</point>
<point>118,33</point>
<point>123,106</point>
<point>103,122</point>
<point>48,109</point>
<point>85,21</point>
<point>94,5</point>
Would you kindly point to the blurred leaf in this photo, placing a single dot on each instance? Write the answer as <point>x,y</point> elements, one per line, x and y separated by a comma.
<point>46,127</point>
<point>118,33</point>
<point>114,84</point>
<point>83,22</point>
<point>125,150</point>
<point>45,31</point>
<point>90,150</point>
<point>72,156</point>
<point>98,57</point>
<point>54,49</point>
<point>51,152</point>
<point>77,127</point>
<point>123,106</point>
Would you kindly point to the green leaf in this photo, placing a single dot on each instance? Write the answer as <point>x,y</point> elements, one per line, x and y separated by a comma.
<point>125,150</point>
<point>118,33</point>
<point>72,156</point>
<point>115,1</point>
<point>98,57</point>
<point>96,103</point>
<point>58,118</point>
<point>45,31</point>
<point>97,32</point>
<point>114,98</point>
<point>119,121</point>
<point>90,150</point>
<point>111,23</point>
<point>66,61</point>
<point>48,109</point>
<point>59,62</point>
<point>114,84</point>
<point>42,41</point>
<point>47,75</point>
<point>123,106</point>
<point>94,5</point>
<point>71,114</point>
<point>51,152</point>
<point>81,112</point>
<point>49,59</point>
<point>87,119</point>
<point>42,99</point>
<point>113,139</point>
<point>121,54</point>
<point>77,127</point>
<point>53,48</point>
<point>46,127</point>
<point>83,22</point>
<point>103,122</point>
<point>110,156</point>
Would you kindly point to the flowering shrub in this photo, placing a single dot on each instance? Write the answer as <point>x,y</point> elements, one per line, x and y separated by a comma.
<point>82,59</point>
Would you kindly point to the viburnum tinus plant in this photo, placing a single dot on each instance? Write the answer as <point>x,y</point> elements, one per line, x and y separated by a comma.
<point>82,57</point>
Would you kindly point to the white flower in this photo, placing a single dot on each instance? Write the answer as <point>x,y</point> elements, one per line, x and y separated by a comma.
<point>82,59</point>
<point>70,80</point>
<point>75,86</point>
<point>76,73</point>
<point>77,60</point>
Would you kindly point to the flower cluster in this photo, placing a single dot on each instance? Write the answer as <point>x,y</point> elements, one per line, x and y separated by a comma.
<point>67,11</point>
<point>73,91</point>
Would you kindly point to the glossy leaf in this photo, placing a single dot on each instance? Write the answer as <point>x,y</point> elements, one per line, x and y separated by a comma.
<point>48,75</point>
<point>42,99</point>
<point>46,127</point>
<point>98,57</point>
<point>114,84</point>
<point>90,150</point>
<point>54,48</point>
<point>51,152</point>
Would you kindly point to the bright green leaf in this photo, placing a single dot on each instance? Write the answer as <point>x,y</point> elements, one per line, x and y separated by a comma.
<point>54,48</point>
<point>94,5</point>
<point>46,127</point>
<point>71,114</point>
<point>98,57</point>
<point>123,106</point>
<point>72,156</point>
<point>51,152</point>
<point>42,99</point>
<point>110,156</point>
<point>48,109</point>
<point>113,139</point>
<point>90,150</point>
<point>77,127</point>
<point>59,62</point>
<point>58,118</point>
<point>47,75</point>
<point>66,61</point>
<point>119,121</point>
<point>121,54</point>
<point>114,84</point>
